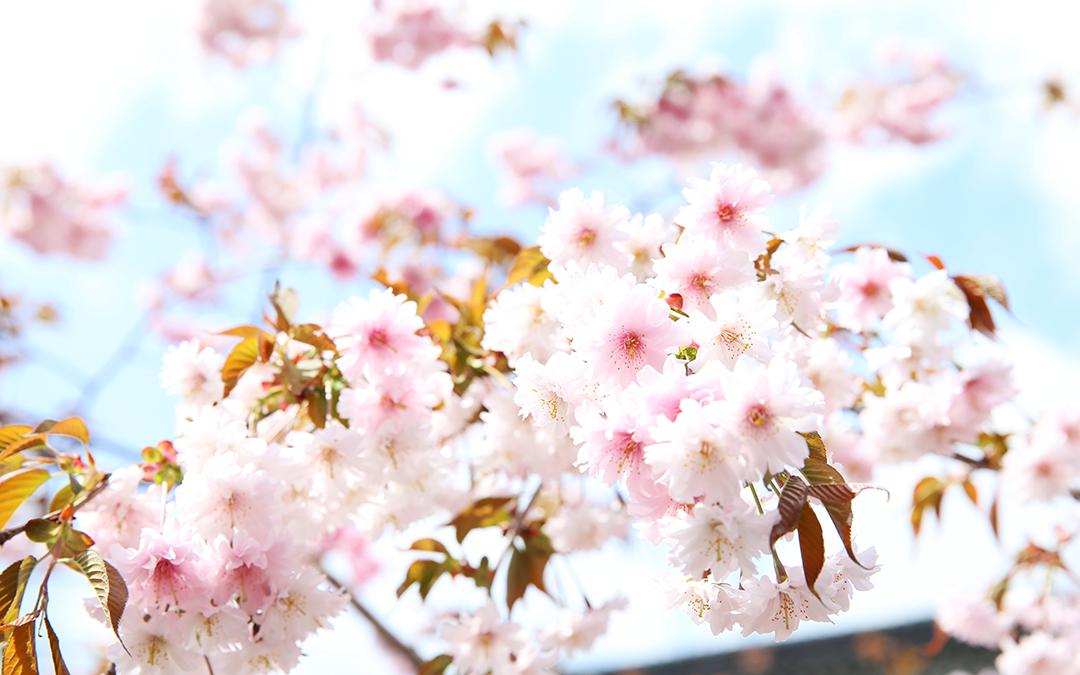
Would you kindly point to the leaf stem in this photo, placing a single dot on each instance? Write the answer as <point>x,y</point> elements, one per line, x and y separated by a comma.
<point>757,501</point>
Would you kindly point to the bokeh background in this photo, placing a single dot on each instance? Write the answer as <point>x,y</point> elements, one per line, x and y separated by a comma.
<point>118,86</point>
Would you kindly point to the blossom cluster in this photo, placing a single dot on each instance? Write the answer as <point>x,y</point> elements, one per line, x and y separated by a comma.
<point>52,214</point>
<point>685,374</point>
<point>765,122</point>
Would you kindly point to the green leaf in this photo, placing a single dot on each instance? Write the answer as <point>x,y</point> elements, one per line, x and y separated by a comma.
<point>13,582</point>
<point>59,667</point>
<point>20,654</point>
<point>42,530</point>
<point>811,546</point>
<point>108,585</point>
<point>16,488</point>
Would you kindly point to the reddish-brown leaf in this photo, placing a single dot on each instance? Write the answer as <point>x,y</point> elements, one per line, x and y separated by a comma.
<point>792,499</point>
<point>811,546</point>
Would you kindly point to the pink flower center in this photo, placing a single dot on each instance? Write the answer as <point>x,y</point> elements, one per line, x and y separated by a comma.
<point>726,213</point>
<point>871,289</point>
<point>757,415</point>
<point>631,344</point>
<point>701,284</point>
<point>586,236</point>
<point>378,338</point>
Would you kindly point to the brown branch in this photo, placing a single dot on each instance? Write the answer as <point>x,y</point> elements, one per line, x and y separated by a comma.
<point>12,532</point>
<point>392,641</point>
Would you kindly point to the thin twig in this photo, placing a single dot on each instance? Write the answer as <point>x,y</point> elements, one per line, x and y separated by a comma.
<point>391,640</point>
<point>518,522</point>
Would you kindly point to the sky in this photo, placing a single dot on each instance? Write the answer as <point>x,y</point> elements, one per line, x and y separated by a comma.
<point>114,87</point>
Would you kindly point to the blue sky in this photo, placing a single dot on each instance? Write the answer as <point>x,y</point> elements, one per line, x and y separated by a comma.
<point>119,86</point>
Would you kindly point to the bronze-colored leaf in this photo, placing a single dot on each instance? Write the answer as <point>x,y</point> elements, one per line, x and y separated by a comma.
<point>976,290</point>
<point>13,582</point>
<point>243,356</point>
<point>436,666</point>
<point>432,545</point>
<point>811,546</point>
<point>20,653</point>
<point>815,445</point>
<point>970,491</point>
<point>423,573</point>
<point>530,265</point>
<point>59,667</point>
<point>482,513</point>
<point>763,263</point>
<point>527,565</point>
<point>792,499</point>
<point>314,335</point>
<point>894,255</point>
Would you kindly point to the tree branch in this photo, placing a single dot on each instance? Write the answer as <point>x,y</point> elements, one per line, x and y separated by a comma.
<point>392,641</point>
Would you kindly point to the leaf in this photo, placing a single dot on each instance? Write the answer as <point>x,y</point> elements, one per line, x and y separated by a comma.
<point>59,667</point>
<point>792,499</point>
<point>423,573</point>
<point>811,546</point>
<point>42,531</point>
<point>976,290</point>
<point>243,356</point>
<point>815,445</point>
<point>16,488</point>
<point>763,263</point>
<point>526,568</point>
<point>894,255</point>
<point>833,493</point>
<point>829,486</point>
<point>970,491</point>
<point>10,434</point>
<point>482,513</point>
<point>314,335</point>
<point>20,655</point>
<point>317,406</point>
<point>927,494</point>
<point>63,497</point>
<point>436,666</point>
<point>31,442</point>
<point>432,545</point>
<point>530,265</point>
<point>13,582</point>
<point>72,426</point>
<point>108,585</point>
